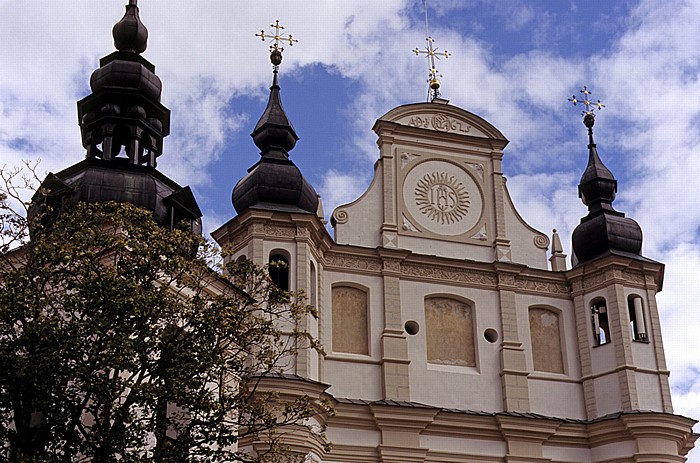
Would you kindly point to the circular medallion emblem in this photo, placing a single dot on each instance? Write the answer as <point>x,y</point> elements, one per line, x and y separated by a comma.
<point>442,197</point>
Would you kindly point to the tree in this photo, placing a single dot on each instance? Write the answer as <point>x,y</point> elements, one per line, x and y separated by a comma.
<point>118,342</point>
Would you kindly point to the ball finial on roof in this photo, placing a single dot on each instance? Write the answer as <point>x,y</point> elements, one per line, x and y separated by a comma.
<point>129,33</point>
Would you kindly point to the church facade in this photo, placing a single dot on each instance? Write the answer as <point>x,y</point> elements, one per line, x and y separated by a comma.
<point>452,330</point>
<point>450,333</point>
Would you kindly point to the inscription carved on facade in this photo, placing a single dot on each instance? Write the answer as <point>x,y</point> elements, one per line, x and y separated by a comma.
<point>417,121</point>
<point>441,122</point>
<point>442,198</point>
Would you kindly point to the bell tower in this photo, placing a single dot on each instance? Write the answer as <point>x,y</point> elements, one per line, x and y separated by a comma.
<point>614,291</point>
<point>123,124</point>
<point>280,219</point>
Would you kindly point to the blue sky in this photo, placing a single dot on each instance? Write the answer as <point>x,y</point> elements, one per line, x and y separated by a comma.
<point>513,62</point>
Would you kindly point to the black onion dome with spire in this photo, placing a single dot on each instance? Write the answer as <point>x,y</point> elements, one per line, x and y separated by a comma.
<point>123,124</point>
<point>604,231</point>
<point>274,182</point>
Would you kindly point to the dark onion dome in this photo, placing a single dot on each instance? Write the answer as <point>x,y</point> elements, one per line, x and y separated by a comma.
<point>274,182</point>
<point>92,180</point>
<point>123,125</point>
<point>125,68</point>
<point>604,231</point>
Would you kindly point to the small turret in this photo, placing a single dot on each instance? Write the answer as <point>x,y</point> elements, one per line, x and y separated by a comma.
<point>123,125</point>
<point>275,182</point>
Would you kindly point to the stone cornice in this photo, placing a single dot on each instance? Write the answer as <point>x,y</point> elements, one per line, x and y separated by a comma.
<point>410,266</point>
<point>519,426</point>
<point>615,270</point>
<point>265,224</point>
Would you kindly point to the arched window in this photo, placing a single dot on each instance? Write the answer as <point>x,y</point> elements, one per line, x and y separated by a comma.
<point>638,326</point>
<point>279,270</point>
<point>600,322</point>
<point>312,283</point>
<point>545,339</point>
<point>350,320</point>
<point>449,332</point>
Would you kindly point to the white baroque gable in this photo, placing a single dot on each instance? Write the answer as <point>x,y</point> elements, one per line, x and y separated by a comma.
<point>443,118</point>
<point>438,190</point>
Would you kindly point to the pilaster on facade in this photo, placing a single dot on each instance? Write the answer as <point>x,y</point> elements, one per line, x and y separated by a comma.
<point>400,429</point>
<point>514,371</point>
<point>395,360</point>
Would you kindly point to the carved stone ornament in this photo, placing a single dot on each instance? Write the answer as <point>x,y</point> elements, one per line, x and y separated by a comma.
<point>478,169</point>
<point>442,198</point>
<point>481,234</point>
<point>340,216</point>
<point>406,158</point>
<point>408,226</point>
<point>393,265</point>
<point>445,123</point>
<point>280,231</point>
<point>417,121</point>
<point>449,274</point>
<point>633,277</point>
<point>591,281</point>
<point>352,262</point>
<point>542,287</point>
<point>440,122</point>
<point>541,241</point>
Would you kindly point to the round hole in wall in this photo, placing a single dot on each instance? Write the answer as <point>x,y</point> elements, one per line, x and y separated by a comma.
<point>491,335</point>
<point>412,327</point>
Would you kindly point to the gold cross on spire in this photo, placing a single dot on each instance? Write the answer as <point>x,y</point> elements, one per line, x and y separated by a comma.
<point>432,54</point>
<point>276,37</point>
<point>590,106</point>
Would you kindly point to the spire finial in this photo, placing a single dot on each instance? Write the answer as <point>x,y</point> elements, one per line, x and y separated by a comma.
<point>587,113</point>
<point>129,33</point>
<point>432,54</point>
<point>275,39</point>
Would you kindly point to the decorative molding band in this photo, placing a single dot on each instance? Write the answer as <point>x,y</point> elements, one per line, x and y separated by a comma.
<point>449,274</point>
<point>280,231</point>
<point>352,262</point>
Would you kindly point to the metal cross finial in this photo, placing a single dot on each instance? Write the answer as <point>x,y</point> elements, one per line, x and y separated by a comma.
<point>432,54</point>
<point>590,106</point>
<point>588,115</point>
<point>276,37</point>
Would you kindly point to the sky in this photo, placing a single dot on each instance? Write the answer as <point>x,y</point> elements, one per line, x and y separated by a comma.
<point>513,62</point>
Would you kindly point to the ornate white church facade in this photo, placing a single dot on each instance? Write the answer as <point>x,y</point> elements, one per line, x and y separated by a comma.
<point>448,335</point>
<point>453,332</point>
